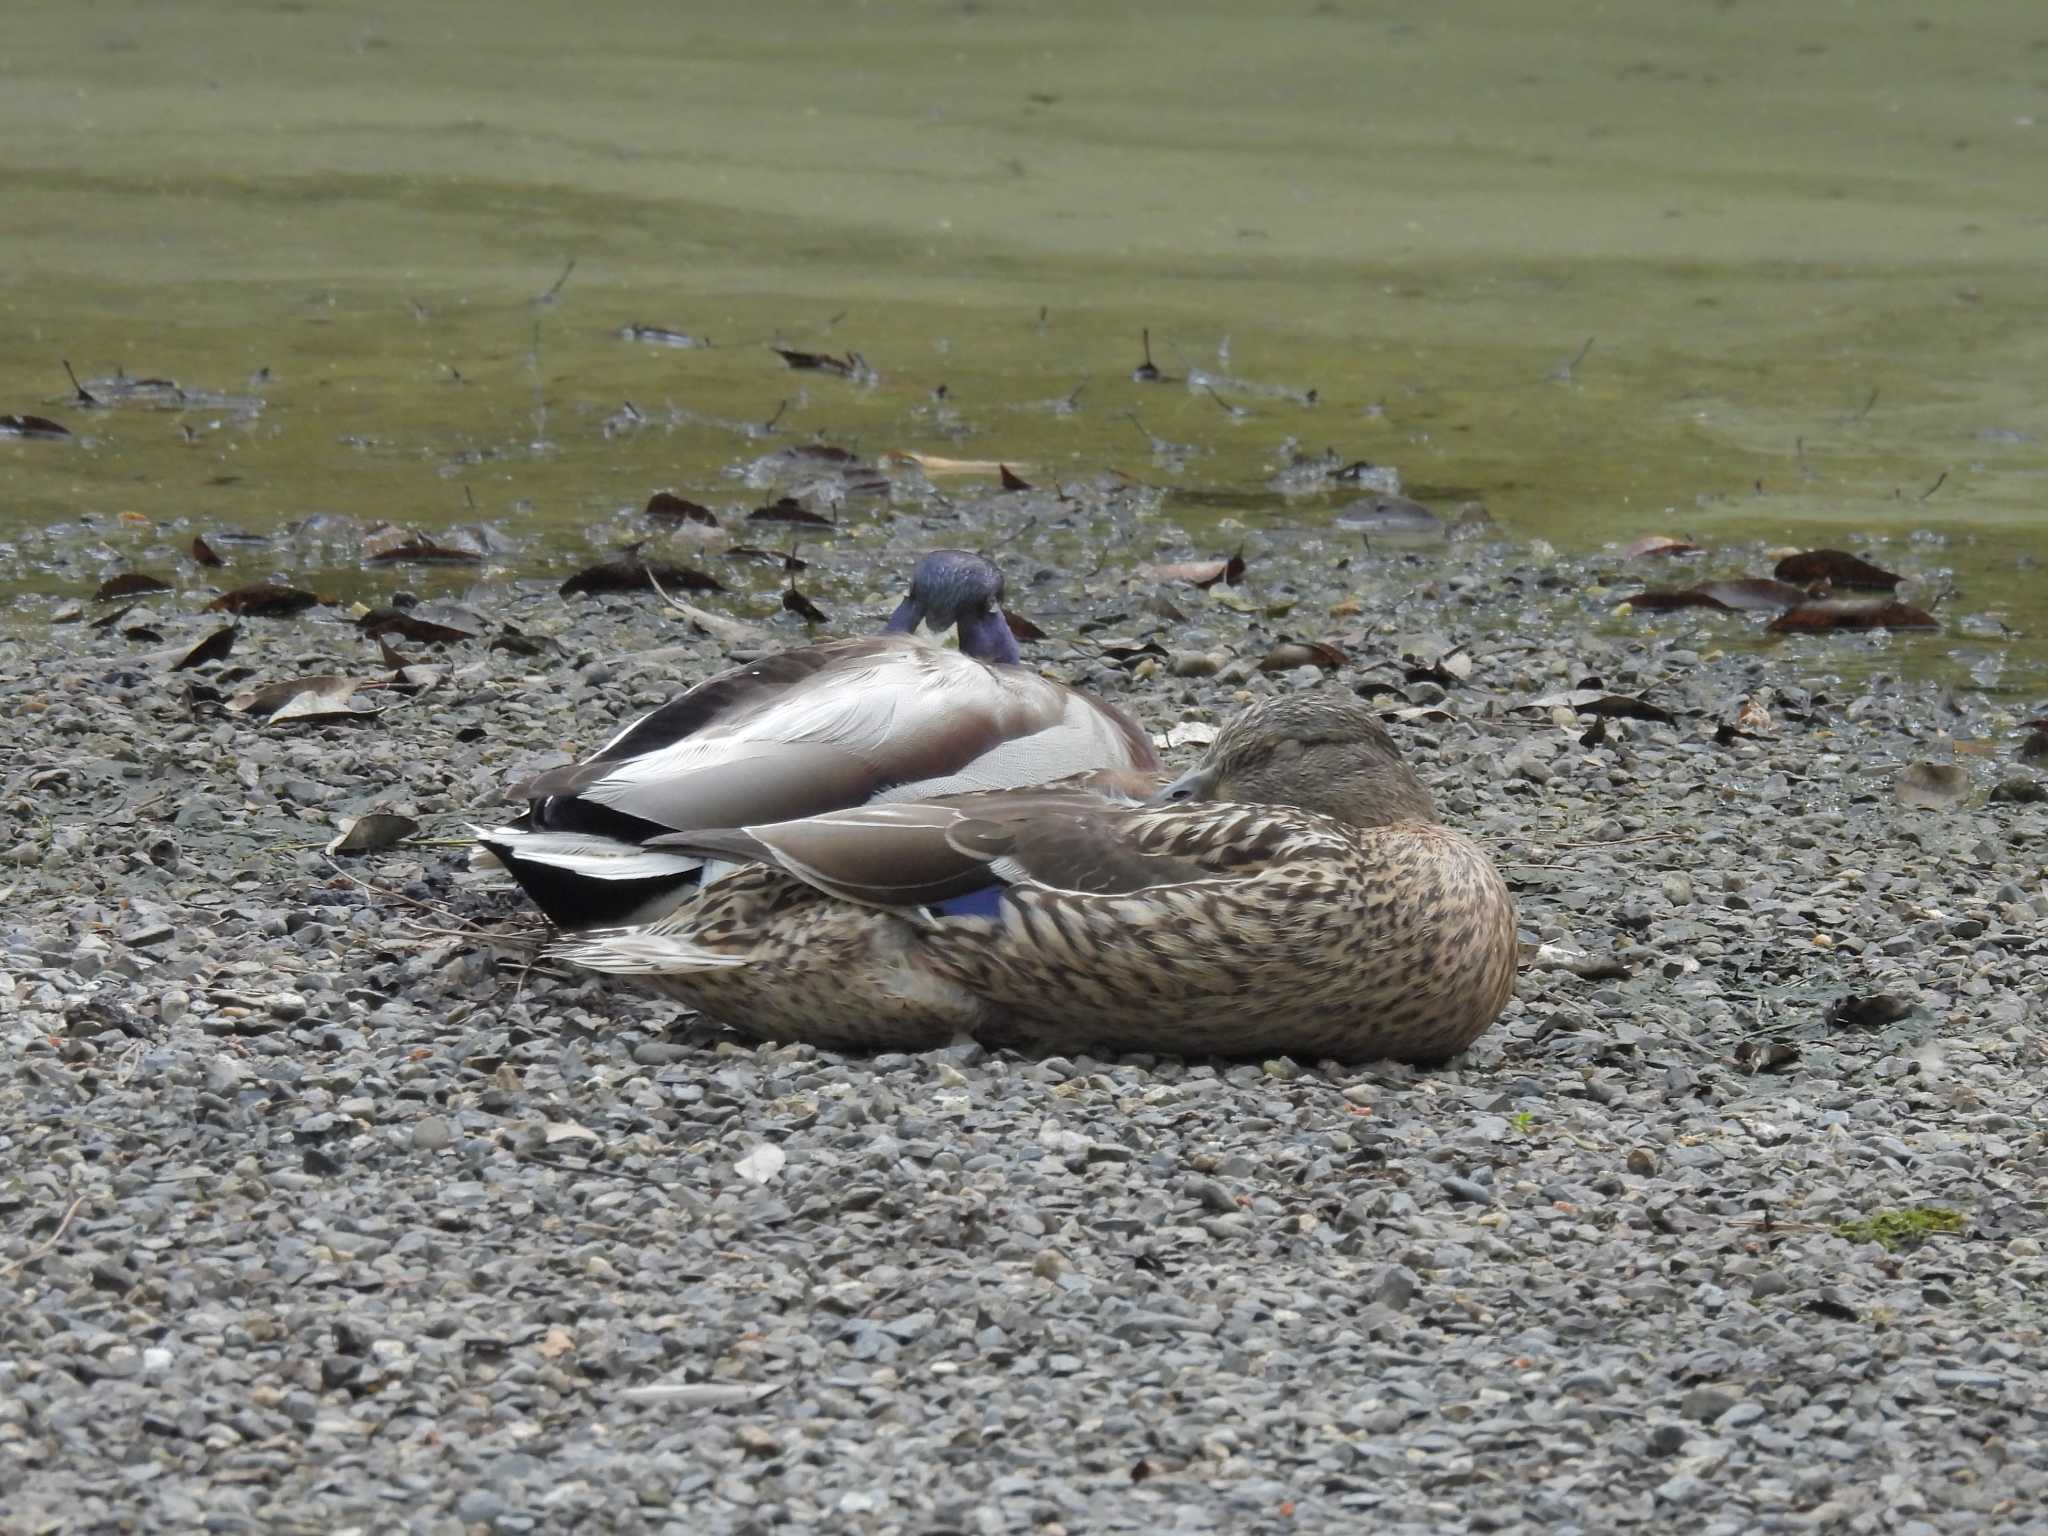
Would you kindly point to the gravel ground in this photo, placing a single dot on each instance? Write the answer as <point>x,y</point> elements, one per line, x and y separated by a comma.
<point>325,1210</point>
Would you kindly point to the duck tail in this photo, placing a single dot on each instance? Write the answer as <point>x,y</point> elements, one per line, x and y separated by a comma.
<point>637,952</point>
<point>585,880</point>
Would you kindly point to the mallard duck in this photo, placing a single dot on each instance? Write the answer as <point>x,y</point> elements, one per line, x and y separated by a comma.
<point>1292,893</point>
<point>845,723</point>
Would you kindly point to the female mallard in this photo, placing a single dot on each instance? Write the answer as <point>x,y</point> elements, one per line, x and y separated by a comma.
<point>1292,894</point>
<point>845,723</point>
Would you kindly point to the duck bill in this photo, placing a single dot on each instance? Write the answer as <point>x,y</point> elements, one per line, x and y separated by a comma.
<point>1198,783</point>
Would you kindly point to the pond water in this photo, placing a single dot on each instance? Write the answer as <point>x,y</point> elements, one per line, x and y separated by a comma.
<point>1758,275</point>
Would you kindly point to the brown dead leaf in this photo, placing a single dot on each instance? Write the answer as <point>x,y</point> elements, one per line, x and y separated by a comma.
<point>667,507</point>
<point>1657,545</point>
<point>628,571</point>
<point>265,600</point>
<point>795,602</point>
<point>212,647</point>
<point>32,427</point>
<point>1837,568</point>
<point>1288,654</point>
<point>434,623</point>
<point>203,553</point>
<point>1851,613</point>
<point>787,509</point>
<point>129,584</point>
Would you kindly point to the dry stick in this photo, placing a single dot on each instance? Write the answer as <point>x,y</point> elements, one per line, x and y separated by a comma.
<point>49,1242</point>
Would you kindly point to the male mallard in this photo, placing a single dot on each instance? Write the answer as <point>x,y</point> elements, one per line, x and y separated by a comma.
<point>1293,893</point>
<point>844,723</point>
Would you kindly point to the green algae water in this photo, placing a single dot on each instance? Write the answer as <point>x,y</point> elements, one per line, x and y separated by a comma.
<point>1753,275</point>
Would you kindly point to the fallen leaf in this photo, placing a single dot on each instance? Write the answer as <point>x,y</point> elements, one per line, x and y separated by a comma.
<point>1389,517</point>
<point>265,600</point>
<point>130,584</point>
<point>272,697</point>
<point>569,1130</point>
<point>851,366</point>
<point>1852,613</point>
<point>1871,1012</point>
<point>332,702</point>
<point>1011,482</point>
<point>434,623</point>
<point>203,553</point>
<point>213,647</point>
<point>372,833</point>
<point>723,628</point>
<point>1021,628</point>
<point>1186,733</point>
<point>661,336</point>
<point>557,1341</point>
<point>788,509</point>
<point>1657,544</point>
<point>114,616</point>
<point>418,549</point>
<point>627,571</point>
<point>1837,567</point>
<point>1664,599</point>
<point>795,602</point>
<point>761,1164</point>
<point>667,507</point>
<point>785,558</point>
<point>1932,786</point>
<point>1197,573</point>
<point>933,464</point>
<point>1287,654</point>
<point>1596,701</point>
<point>1754,594</point>
<point>32,426</point>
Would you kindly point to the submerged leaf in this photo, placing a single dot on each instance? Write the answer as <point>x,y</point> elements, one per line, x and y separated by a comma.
<point>1837,567</point>
<point>130,584</point>
<point>661,336</point>
<point>1011,482</point>
<point>667,507</point>
<point>419,549</point>
<point>203,553</point>
<point>1657,544</point>
<point>265,600</point>
<point>629,572</point>
<point>32,426</point>
<point>788,509</point>
<point>796,603</point>
<point>1852,613</point>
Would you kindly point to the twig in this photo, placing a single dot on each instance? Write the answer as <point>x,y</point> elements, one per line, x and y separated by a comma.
<point>49,1242</point>
<point>1938,479</point>
<point>555,287</point>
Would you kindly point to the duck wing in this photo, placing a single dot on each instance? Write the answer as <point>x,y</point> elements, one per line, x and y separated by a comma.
<point>1092,836</point>
<point>840,724</point>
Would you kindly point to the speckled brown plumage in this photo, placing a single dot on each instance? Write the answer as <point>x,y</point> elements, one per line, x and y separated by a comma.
<point>1337,920</point>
